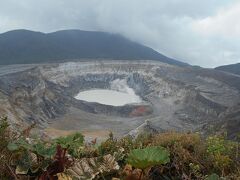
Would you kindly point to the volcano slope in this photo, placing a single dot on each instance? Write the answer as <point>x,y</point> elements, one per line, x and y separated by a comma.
<point>173,97</point>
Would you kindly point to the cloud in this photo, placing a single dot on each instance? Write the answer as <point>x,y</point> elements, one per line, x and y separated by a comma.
<point>191,31</point>
<point>224,23</point>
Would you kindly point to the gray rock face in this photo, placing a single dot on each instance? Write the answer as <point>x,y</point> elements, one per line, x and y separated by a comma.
<point>144,129</point>
<point>175,98</point>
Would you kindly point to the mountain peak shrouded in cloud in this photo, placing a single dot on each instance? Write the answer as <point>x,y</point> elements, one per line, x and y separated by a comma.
<point>204,33</point>
<point>24,46</point>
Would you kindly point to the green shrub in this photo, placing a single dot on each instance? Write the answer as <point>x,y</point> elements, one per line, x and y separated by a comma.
<point>168,155</point>
<point>72,142</point>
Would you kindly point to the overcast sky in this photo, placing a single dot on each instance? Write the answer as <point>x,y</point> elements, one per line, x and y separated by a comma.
<point>199,32</point>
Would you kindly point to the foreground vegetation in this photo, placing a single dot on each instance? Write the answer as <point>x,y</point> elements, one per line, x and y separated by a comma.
<point>164,156</point>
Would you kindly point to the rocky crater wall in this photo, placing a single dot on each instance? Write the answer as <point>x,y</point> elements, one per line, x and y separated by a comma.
<point>175,98</point>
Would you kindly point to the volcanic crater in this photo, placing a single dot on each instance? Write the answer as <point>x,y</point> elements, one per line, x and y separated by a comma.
<point>169,97</point>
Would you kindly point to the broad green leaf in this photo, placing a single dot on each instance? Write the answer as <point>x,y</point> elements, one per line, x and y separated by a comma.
<point>15,145</point>
<point>12,147</point>
<point>73,142</point>
<point>150,156</point>
<point>44,151</point>
<point>213,177</point>
<point>23,143</point>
